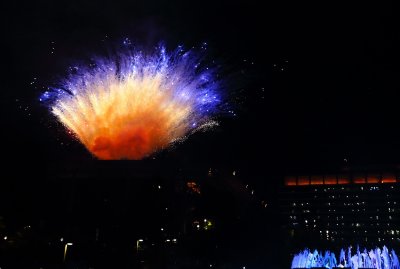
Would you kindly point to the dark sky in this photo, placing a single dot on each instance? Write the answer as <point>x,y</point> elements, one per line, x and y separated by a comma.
<point>330,74</point>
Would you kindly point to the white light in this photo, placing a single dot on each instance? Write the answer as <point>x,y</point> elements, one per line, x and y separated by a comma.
<point>159,187</point>
<point>198,226</point>
<point>69,244</point>
<point>174,240</point>
<point>61,239</point>
<point>167,240</point>
<point>140,240</point>
<point>5,237</point>
<point>205,220</point>
<point>162,229</point>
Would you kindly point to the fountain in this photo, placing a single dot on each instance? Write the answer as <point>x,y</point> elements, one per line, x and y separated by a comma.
<point>375,258</point>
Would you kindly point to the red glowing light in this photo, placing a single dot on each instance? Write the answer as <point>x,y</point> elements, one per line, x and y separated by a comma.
<point>303,180</point>
<point>290,181</point>
<point>317,180</point>
<point>388,178</point>
<point>330,180</point>
<point>359,179</point>
<point>373,178</point>
<point>343,179</point>
<point>340,179</point>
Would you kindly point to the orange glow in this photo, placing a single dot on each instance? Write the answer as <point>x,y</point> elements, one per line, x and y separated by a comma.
<point>317,180</point>
<point>194,187</point>
<point>290,181</point>
<point>303,180</point>
<point>373,179</point>
<point>359,179</point>
<point>340,179</point>
<point>330,180</point>
<point>388,178</point>
<point>343,179</point>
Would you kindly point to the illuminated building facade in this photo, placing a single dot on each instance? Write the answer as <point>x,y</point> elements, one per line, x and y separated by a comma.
<point>346,208</point>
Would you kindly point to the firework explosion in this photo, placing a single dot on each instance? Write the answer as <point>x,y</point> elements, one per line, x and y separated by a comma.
<point>134,105</point>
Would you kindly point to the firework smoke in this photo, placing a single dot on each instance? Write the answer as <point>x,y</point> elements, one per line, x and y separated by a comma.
<point>135,105</point>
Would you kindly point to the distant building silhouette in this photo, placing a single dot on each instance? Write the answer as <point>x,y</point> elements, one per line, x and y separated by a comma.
<point>341,209</point>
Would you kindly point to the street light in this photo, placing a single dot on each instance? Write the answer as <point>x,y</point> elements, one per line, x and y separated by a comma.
<point>137,244</point>
<point>65,249</point>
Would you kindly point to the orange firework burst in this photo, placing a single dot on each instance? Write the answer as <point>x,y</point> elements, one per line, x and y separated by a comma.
<point>134,106</point>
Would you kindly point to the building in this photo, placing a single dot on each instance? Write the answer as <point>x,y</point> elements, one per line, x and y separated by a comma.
<point>341,209</point>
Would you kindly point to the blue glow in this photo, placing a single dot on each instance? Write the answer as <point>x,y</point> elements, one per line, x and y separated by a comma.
<point>184,70</point>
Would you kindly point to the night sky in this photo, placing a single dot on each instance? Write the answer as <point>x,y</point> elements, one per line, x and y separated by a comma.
<point>313,84</point>
<point>315,87</point>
